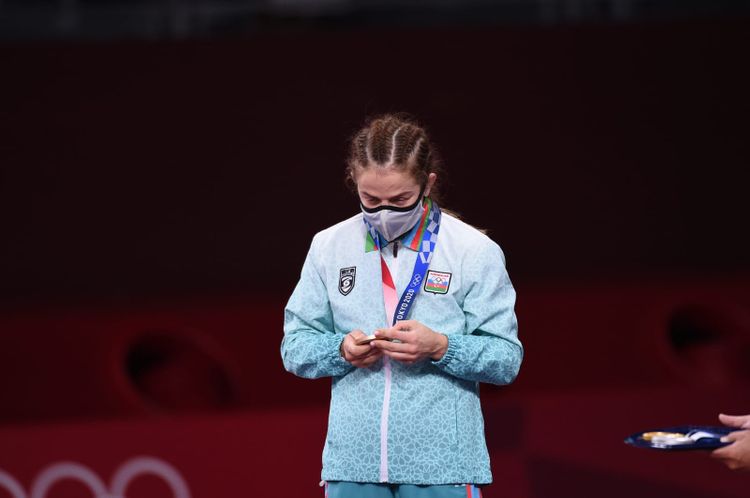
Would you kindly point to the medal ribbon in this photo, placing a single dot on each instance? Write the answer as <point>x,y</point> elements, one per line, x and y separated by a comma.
<point>428,229</point>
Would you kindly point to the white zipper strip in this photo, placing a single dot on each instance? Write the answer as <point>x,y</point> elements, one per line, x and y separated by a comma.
<point>390,311</point>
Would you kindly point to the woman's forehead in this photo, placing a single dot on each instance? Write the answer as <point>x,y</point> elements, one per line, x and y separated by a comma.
<point>385,180</point>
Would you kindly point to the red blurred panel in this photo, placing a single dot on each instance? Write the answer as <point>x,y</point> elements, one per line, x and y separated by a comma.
<point>210,354</point>
<point>628,334</point>
<point>602,361</point>
<point>103,361</point>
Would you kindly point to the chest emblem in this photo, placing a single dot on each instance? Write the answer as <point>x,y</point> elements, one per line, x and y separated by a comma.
<point>346,279</point>
<point>437,282</point>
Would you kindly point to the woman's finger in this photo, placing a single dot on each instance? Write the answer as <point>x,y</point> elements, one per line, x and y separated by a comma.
<point>739,421</point>
<point>394,333</point>
<point>402,357</point>
<point>400,347</point>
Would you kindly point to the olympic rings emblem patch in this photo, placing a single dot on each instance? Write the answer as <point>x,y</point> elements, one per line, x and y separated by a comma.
<point>121,479</point>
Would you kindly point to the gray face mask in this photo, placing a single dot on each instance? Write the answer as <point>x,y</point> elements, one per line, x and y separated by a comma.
<point>392,222</point>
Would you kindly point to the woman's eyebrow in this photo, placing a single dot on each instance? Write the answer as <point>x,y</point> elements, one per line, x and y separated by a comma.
<point>405,193</point>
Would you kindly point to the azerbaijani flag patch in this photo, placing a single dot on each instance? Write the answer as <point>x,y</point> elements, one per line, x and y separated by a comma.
<point>437,282</point>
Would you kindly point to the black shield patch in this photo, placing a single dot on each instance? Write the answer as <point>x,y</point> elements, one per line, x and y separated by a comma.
<point>346,279</point>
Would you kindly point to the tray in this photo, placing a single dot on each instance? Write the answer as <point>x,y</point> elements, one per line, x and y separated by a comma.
<point>702,437</point>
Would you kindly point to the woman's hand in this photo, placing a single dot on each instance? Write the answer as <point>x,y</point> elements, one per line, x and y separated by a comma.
<point>359,356</point>
<point>736,456</point>
<point>418,342</point>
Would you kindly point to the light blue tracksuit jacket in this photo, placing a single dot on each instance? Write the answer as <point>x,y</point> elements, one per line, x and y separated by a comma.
<point>392,422</point>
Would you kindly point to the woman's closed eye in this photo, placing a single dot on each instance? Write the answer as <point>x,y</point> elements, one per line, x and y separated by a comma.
<point>371,201</point>
<point>395,201</point>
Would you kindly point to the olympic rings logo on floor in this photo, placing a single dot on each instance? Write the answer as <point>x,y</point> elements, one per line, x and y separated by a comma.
<point>118,486</point>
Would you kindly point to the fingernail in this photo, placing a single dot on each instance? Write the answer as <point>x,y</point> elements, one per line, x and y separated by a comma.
<point>725,439</point>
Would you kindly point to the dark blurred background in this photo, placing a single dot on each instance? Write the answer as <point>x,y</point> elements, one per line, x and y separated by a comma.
<point>164,165</point>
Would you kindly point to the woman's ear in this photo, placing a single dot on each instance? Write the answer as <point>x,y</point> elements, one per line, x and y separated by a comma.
<point>431,179</point>
<point>353,178</point>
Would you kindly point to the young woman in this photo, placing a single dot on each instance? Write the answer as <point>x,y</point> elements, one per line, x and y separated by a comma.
<point>407,308</point>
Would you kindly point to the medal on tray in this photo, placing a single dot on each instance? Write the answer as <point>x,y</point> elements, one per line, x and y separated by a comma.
<point>685,437</point>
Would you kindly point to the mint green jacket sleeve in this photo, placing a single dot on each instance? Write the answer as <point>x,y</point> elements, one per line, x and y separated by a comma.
<point>489,349</point>
<point>310,347</point>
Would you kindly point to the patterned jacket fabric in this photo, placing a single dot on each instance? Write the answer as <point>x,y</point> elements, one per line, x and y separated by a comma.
<point>432,431</point>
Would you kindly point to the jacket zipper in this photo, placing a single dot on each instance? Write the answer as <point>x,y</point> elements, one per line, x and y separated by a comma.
<point>391,302</point>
